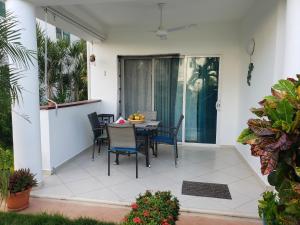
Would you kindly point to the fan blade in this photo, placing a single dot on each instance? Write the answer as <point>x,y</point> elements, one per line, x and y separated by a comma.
<point>181,27</point>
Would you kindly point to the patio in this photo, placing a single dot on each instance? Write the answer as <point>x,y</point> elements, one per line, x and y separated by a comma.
<point>87,180</point>
<point>58,140</point>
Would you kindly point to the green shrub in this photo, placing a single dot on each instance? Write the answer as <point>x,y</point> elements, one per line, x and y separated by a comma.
<point>6,167</point>
<point>45,219</point>
<point>154,209</point>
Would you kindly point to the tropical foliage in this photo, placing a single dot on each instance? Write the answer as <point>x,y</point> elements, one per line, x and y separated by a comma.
<point>275,137</point>
<point>66,69</point>
<point>6,167</point>
<point>153,209</point>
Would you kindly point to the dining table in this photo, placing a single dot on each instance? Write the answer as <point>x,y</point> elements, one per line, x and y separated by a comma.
<point>147,129</point>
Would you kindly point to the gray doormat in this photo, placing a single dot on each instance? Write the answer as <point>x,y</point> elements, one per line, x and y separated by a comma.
<point>206,189</point>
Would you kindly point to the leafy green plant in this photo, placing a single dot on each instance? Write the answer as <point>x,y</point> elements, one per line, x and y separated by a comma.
<point>66,69</point>
<point>152,209</point>
<point>21,180</point>
<point>275,137</point>
<point>45,219</point>
<point>268,208</point>
<point>6,167</point>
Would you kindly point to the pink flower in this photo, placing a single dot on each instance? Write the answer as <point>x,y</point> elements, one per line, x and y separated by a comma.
<point>121,121</point>
<point>137,220</point>
<point>134,206</point>
<point>146,213</point>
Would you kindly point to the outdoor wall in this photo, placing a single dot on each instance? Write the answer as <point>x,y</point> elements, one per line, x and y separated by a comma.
<point>264,23</point>
<point>207,39</point>
<point>65,133</point>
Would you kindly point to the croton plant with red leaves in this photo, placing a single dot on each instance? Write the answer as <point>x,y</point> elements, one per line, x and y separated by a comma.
<point>274,136</point>
<point>160,208</point>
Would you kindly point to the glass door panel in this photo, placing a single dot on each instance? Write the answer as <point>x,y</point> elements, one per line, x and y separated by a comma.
<point>202,75</point>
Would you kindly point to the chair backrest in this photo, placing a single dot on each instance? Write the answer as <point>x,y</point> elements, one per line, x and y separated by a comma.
<point>93,118</point>
<point>150,115</point>
<point>121,135</point>
<point>107,118</point>
<point>178,124</point>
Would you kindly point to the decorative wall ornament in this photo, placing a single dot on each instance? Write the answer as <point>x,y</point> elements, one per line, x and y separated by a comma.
<point>250,51</point>
<point>92,56</point>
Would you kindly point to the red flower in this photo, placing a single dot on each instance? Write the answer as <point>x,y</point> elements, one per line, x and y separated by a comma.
<point>134,206</point>
<point>146,213</point>
<point>165,222</point>
<point>137,220</point>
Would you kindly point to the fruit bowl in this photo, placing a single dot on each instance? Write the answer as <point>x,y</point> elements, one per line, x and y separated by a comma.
<point>136,121</point>
<point>136,118</point>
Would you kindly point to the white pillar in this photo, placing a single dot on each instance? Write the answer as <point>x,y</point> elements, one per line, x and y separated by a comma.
<point>292,38</point>
<point>26,135</point>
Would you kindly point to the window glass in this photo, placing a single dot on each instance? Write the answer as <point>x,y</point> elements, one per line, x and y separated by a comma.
<point>2,8</point>
<point>58,33</point>
<point>66,36</point>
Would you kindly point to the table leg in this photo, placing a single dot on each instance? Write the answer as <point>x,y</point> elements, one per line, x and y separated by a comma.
<point>147,150</point>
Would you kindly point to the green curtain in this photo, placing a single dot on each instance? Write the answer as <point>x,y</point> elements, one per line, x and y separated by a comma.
<point>165,90</point>
<point>137,85</point>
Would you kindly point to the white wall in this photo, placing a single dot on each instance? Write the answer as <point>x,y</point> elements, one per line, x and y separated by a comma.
<point>65,134</point>
<point>207,39</point>
<point>265,24</point>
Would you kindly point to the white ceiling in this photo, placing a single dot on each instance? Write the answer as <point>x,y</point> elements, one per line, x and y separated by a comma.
<point>133,13</point>
<point>102,15</point>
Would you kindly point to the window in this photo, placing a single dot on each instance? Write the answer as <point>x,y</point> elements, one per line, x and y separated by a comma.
<point>66,36</point>
<point>2,9</point>
<point>60,34</point>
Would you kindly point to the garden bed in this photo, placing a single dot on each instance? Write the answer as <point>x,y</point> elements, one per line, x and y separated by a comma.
<point>27,219</point>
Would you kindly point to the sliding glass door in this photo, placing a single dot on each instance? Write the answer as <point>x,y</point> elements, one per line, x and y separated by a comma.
<point>202,75</point>
<point>172,86</point>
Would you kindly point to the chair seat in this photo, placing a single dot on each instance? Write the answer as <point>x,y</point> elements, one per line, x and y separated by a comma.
<point>127,150</point>
<point>163,139</point>
<point>102,136</point>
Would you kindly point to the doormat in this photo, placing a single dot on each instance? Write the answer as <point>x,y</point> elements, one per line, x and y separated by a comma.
<point>206,189</point>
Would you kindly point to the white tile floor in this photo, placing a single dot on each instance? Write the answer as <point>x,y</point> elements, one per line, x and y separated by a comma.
<point>84,179</point>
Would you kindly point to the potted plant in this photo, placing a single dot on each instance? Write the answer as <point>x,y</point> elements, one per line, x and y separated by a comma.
<point>275,137</point>
<point>20,183</point>
<point>154,208</point>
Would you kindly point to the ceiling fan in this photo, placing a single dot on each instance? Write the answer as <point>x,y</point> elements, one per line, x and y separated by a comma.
<point>162,32</point>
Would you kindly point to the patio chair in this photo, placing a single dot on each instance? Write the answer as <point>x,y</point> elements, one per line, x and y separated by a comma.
<point>122,140</point>
<point>170,138</point>
<point>99,132</point>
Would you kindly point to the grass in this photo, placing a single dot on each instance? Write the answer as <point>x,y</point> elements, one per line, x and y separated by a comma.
<point>45,219</point>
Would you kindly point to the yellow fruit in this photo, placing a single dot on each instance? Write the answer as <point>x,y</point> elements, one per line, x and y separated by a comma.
<point>136,117</point>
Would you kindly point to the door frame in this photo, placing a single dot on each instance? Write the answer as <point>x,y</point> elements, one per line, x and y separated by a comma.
<point>185,60</point>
